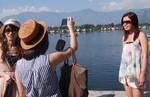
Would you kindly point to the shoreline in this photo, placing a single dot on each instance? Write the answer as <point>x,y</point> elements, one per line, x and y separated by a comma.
<point>96,93</point>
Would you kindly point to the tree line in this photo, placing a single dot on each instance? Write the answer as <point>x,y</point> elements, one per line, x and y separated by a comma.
<point>94,28</point>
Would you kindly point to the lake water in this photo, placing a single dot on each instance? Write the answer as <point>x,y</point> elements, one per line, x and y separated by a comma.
<point>100,52</point>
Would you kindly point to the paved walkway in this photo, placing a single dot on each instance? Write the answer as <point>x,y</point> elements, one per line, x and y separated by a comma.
<point>112,94</point>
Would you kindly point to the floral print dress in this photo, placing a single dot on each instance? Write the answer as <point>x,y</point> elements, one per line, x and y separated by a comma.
<point>130,66</point>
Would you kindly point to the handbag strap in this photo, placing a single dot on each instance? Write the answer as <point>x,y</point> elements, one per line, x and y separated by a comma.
<point>66,62</point>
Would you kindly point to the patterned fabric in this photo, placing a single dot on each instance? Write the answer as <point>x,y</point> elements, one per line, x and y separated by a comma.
<point>130,64</point>
<point>38,77</point>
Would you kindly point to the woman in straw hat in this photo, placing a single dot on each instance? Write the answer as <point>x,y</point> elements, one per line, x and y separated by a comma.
<point>35,72</point>
<point>9,33</point>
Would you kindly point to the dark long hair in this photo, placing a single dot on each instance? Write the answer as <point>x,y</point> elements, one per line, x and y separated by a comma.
<point>134,22</point>
<point>4,48</point>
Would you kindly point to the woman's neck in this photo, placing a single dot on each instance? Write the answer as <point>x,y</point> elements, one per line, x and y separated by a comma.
<point>10,44</point>
<point>129,36</point>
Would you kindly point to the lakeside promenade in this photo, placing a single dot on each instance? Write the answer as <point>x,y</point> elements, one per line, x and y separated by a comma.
<point>94,93</point>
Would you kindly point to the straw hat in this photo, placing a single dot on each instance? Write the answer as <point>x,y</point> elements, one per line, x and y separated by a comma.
<point>31,33</point>
<point>9,22</point>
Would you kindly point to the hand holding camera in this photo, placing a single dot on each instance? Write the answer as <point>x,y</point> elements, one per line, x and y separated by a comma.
<point>70,23</point>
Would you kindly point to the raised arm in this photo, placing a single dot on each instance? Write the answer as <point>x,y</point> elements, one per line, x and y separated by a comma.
<point>57,57</point>
<point>73,39</point>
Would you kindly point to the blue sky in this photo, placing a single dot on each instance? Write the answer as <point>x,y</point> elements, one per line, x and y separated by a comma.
<point>12,7</point>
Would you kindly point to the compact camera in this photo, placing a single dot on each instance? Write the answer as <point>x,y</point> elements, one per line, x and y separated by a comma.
<point>64,22</point>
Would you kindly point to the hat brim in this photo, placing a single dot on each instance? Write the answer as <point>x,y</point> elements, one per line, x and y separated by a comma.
<point>30,46</point>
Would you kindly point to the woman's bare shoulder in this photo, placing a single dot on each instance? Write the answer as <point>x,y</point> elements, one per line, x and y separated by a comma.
<point>142,35</point>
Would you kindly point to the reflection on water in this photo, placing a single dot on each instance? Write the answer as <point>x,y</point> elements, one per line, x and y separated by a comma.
<point>100,52</point>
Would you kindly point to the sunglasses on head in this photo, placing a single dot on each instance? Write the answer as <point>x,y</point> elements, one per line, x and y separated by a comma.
<point>127,22</point>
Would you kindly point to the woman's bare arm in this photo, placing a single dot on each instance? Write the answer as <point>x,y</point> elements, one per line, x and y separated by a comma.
<point>57,57</point>
<point>144,54</point>
<point>144,58</point>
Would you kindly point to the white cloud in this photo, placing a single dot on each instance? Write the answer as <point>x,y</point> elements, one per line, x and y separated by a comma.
<point>126,4</point>
<point>90,0</point>
<point>94,1</point>
<point>15,11</point>
<point>57,11</point>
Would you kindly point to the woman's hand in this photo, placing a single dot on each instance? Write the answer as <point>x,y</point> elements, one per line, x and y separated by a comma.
<point>142,79</point>
<point>70,23</point>
<point>8,76</point>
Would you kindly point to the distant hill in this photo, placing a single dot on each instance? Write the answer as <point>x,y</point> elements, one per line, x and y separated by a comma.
<point>86,16</point>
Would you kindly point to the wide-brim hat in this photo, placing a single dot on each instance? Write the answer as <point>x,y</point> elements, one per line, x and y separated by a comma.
<point>31,33</point>
<point>13,22</point>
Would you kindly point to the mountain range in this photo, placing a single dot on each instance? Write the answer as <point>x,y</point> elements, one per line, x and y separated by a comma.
<point>86,16</point>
